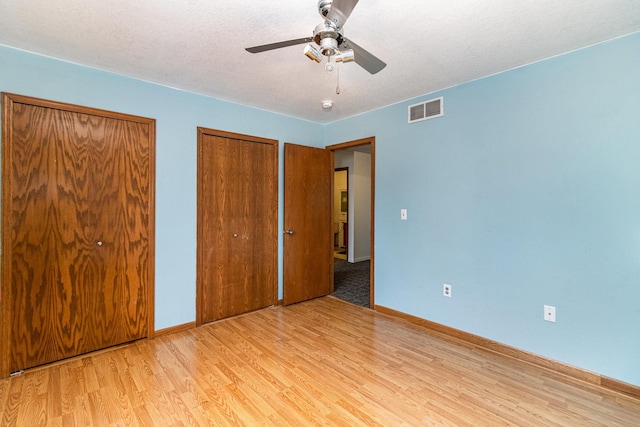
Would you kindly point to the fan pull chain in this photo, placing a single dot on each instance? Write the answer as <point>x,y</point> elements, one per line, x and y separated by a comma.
<point>338,84</point>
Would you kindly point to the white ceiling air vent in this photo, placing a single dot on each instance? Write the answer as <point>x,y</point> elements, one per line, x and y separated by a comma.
<point>426,110</point>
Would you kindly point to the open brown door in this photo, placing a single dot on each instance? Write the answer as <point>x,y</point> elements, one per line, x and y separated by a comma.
<point>308,257</point>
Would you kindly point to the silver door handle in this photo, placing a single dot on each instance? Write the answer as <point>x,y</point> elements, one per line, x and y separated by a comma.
<point>289,232</point>
<point>99,243</point>
<point>235,234</point>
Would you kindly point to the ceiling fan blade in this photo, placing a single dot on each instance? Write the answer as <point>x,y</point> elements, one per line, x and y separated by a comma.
<point>340,11</point>
<point>271,46</point>
<point>363,58</point>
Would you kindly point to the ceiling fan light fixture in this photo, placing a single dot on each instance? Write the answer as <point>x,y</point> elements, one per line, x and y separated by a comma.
<point>312,53</point>
<point>329,46</point>
<point>345,55</point>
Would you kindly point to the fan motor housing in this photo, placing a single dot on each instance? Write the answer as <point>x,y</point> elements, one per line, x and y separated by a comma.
<point>328,38</point>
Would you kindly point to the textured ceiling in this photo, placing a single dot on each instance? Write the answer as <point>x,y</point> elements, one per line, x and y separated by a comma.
<point>198,45</point>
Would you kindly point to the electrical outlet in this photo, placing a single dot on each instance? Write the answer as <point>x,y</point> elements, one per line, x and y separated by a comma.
<point>403,214</point>
<point>446,290</point>
<point>549,313</point>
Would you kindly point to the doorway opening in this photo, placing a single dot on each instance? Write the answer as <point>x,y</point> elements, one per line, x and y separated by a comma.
<point>353,224</point>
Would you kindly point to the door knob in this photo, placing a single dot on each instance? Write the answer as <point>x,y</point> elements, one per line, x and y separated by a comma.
<point>99,243</point>
<point>235,234</point>
<point>289,232</point>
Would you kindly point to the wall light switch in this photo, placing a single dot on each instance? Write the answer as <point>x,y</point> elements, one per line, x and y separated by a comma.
<point>403,214</point>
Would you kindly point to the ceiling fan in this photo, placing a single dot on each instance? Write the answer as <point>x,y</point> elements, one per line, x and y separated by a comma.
<point>329,39</point>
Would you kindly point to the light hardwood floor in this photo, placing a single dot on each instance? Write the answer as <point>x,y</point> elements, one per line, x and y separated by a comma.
<point>322,362</point>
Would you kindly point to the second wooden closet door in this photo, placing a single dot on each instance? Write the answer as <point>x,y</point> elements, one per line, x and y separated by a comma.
<point>237,224</point>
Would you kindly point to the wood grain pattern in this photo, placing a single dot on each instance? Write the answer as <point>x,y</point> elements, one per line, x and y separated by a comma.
<point>237,224</point>
<point>320,362</point>
<point>308,252</point>
<point>77,193</point>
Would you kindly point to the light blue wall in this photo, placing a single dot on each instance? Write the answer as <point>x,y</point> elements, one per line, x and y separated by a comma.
<point>177,115</point>
<point>526,192</point>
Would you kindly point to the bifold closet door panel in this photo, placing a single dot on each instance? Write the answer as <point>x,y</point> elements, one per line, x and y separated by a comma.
<point>51,247</point>
<point>119,218</point>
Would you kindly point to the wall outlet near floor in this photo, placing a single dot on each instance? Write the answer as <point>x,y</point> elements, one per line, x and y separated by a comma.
<point>446,290</point>
<point>549,313</point>
<point>403,214</point>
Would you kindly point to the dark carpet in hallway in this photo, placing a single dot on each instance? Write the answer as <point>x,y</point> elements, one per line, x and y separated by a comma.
<point>351,281</point>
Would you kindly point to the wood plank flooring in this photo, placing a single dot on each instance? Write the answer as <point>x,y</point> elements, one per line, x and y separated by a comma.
<point>321,362</point>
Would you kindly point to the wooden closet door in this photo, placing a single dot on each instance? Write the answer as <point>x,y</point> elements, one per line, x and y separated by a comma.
<point>77,220</point>
<point>237,224</point>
